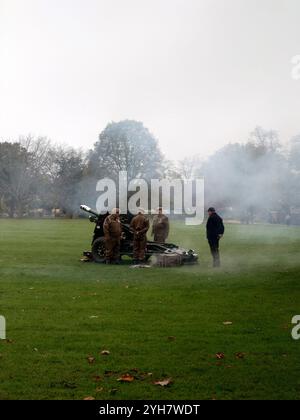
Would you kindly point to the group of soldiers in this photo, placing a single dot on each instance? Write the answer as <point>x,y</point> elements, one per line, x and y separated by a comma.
<point>139,226</point>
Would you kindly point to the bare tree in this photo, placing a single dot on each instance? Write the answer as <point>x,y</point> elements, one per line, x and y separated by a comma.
<point>190,167</point>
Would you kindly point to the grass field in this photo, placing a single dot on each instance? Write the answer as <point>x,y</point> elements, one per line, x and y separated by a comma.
<point>167,322</point>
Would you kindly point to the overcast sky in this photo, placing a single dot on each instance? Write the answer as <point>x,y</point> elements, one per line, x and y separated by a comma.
<point>198,73</point>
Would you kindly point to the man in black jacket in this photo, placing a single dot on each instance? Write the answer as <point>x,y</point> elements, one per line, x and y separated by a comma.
<point>215,230</point>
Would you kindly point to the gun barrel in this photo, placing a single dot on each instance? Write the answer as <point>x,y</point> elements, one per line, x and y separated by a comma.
<point>88,210</point>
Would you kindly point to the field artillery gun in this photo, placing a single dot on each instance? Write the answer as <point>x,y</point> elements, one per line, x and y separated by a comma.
<point>97,253</point>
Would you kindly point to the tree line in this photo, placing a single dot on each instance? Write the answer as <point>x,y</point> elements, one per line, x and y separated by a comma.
<point>37,176</point>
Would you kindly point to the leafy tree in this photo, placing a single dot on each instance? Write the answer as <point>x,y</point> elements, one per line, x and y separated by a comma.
<point>126,146</point>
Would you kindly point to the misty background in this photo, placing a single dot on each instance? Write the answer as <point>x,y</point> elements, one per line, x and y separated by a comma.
<point>253,181</point>
<point>193,88</point>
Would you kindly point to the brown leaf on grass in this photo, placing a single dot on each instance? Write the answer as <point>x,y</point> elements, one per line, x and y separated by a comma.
<point>89,399</point>
<point>97,378</point>
<point>91,359</point>
<point>171,338</point>
<point>286,327</point>
<point>163,382</point>
<point>220,356</point>
<point>8,341</point>
<point>99,390</point>
<point>227,323</point>
<point>240,355</point>
<point>105,353</point>
<point>126,378</point>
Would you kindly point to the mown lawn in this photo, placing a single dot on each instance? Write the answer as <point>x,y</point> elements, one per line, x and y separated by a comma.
<point>156,323</point>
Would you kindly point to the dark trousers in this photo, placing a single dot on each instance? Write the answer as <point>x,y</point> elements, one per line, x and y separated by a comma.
<point>215,252</point>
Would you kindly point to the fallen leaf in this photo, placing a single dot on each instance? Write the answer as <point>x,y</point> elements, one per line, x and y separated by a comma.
<point>105,353</point>
<point>227,323</point>
<point>126,378</point>
<point>91,359</point>
<point>220,356</point>
<point>240,355</point>
<point>172,338</point>
<point>163,382</point>
<point>286,327</point>
<point>98,390</point>
<point>97,378</point>
<point>89,399</point>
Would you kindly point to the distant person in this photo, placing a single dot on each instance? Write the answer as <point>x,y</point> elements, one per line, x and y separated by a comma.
<point>215,231</point>
<point>112,229</point>
<point>160,226</point>
<point>140,226</point>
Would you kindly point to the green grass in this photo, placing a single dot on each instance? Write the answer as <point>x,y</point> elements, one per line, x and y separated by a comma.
<point>60,311</point>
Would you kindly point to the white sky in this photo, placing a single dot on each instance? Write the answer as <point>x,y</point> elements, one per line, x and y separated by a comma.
<point>198,73</point>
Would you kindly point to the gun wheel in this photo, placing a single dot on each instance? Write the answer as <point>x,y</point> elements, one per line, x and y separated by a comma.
<point>98,250</point>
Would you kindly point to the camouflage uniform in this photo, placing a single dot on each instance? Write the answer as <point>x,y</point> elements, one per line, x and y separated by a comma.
<point>112,233</point>
<point>140,226</point>
<point>160,228</point>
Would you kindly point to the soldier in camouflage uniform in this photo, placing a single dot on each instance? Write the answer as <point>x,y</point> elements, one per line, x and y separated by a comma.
<point>112,233</point>
<point>140,226</point>
<point>160,227</point>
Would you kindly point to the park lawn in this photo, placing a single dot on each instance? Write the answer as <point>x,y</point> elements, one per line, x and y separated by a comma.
<point>156,323</point>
